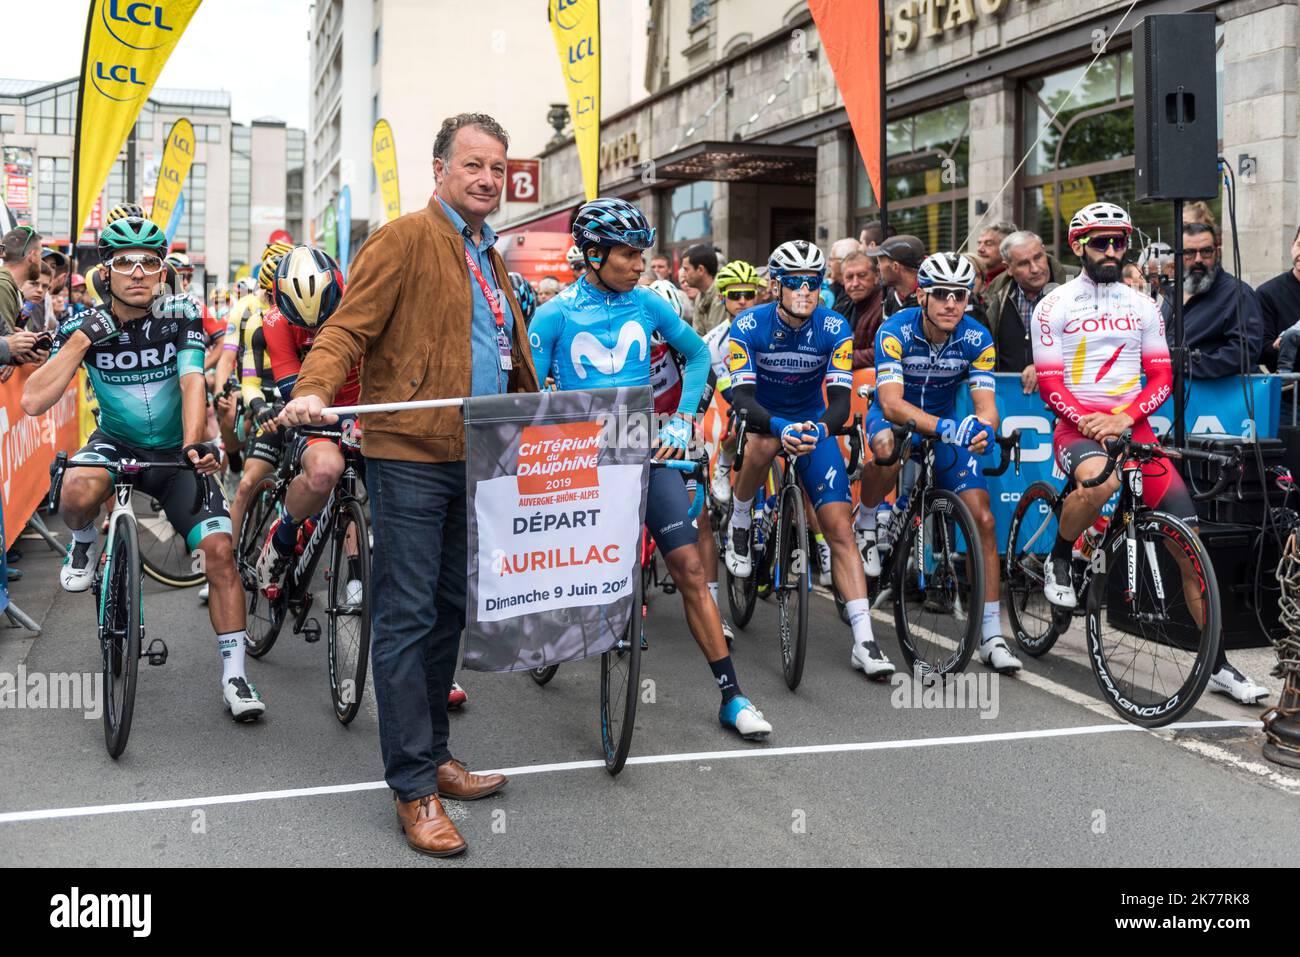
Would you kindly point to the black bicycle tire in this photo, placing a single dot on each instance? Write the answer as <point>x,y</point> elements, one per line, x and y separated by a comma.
<point>903,547</point>
<point>791,498</point>
<point>1034,647</point>
<point>742,593</point>
<point>351,513</point>
<point>126,555</point>
<point>159,574</point>
<point>616,752</point>
<point>259,646</point>
<point>1189,692</point>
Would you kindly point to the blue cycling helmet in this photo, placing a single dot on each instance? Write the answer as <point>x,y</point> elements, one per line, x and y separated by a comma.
<point>524,293</point>
<point>612,222</point>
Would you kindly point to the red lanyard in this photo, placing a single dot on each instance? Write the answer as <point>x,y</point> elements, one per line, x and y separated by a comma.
<point>493,303</point>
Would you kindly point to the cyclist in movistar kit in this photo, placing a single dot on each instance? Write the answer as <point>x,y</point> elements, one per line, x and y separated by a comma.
<point>144,356</point>
<point>782,355</point>
<point>924,354</point>
<point>596,334</point>
<point>1113,337</point>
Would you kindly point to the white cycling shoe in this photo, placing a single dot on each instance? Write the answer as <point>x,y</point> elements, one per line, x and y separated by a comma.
<point>720,483</point>
<point>1231,682</point>
<point>1058,590</point>
<point>869,659</point>
<point>242,699</point>
<point>739,562</point>
<point>824,576</point>
<point>727,633</point>
<point>866,539</point>
<point>740,715</point>
<point>78,571</point>
<point>995,653</point>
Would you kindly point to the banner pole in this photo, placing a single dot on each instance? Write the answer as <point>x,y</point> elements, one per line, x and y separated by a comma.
<point>884,124</point>
<point>74,230</point>
<point>393,406</point>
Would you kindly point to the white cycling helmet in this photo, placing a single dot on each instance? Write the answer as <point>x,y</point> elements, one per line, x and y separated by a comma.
<point>946,269</point>
<point>1099,216</point>
<point>798,255</point>
<point>1160,252</point>
<point>574,257</point>
<point>669,294</point>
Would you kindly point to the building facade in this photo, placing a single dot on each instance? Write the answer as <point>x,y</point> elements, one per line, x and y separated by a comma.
<point>743,140</point>
<point>219,224</point>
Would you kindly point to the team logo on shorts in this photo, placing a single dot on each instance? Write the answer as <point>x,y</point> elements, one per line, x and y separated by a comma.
<point>739,357</point>
<point>893,348</point>
<point>843,357</point>
<point>986,360</point>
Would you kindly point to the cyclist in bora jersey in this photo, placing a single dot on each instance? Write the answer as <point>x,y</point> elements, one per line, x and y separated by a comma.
<point>596,334</point>
<point>782,354</point>
<point>144,355</point>
<point>1094,339</point>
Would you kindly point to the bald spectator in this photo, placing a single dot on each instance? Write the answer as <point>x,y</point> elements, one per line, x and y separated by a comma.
<point>1010,300</point>
<point>839,249</point>
<point>989,249</point>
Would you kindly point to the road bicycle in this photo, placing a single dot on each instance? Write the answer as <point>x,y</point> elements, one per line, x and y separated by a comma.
<point>620,667</point>
<point>933,567</point>
<point>116,586</point>
<point>1146,589</point>
<point>341,525</point>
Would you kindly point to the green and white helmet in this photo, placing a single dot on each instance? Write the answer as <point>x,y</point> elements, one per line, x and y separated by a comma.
<point>131,232</point>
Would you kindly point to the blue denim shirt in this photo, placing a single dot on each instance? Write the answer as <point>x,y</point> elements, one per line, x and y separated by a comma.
<point>486,376</point>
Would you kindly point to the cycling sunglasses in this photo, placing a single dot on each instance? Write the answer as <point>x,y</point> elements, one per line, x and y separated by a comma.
<point>738,295</point>
<point>814,283</point>
<point>1101,243</point>
<point>948,294</point>
<point>126,264</point>
<point>31,234</point>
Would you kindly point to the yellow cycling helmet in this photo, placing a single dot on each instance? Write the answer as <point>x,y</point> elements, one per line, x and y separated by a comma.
<point>737,273</point>
<point>266,274</point>
<point>275,251</point>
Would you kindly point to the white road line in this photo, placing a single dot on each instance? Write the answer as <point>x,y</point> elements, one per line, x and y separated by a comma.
<point>16,817</point>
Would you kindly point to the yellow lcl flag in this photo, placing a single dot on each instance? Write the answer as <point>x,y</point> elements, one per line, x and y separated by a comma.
<point>383,153</point>
<point>576,25</point>
<point>178,157</point>
<point>127,43</point>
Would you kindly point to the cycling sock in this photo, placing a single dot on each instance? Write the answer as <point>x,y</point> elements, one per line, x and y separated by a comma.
<point>85,536</point>
<point>713,593</point>
<point>286,534</point>
<point>866,518</point>
<point>232,655</point>
<point>740,511</point>
<point>1062,548</point>
<point>724,458</point>
<point>859,612</point>
<point>725,675</point>
<point>992,624</point>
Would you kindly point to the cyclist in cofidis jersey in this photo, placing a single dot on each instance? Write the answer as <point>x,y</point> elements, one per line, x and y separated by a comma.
<point>783,354</point>
<point>144,356</point>
<point>924,354</point>
<point>596,334</point>
<point>1095,339</point>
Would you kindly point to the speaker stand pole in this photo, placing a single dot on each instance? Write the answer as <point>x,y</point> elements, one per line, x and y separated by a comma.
<point>1181,370</point>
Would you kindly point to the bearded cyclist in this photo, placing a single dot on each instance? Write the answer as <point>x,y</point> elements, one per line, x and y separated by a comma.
<point>596,334</point>
<point>782,355</point>
<point>144,355</point>
<point>1112,337</point>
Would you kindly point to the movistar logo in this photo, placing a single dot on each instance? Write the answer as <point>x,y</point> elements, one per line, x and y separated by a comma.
<point>602,358</point>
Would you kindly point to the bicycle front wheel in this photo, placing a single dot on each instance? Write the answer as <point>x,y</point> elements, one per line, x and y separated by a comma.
<point>1154,631</point>
<point>938,585</point>
<point>120,627</point>
<point>163,553</point>
<point>1029,546</point>
<point>790,576</point>
<point>265,615</point>
<point>742,593</point>
<point>348,611</point>
<point>620,677</point>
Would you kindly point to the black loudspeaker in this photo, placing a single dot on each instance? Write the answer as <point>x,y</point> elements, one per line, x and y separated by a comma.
<point>1175,113</point>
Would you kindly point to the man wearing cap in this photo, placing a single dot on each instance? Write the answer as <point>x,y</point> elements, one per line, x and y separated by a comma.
<point>22,263</point>
<point>899,258</point>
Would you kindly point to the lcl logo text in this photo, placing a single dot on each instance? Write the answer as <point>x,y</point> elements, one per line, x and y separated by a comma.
<point>118,73</point>
<point>141,14</point>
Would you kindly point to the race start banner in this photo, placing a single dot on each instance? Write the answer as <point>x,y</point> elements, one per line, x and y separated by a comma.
<point>557,485</point>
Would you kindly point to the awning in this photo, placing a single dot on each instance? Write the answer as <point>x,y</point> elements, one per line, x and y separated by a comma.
<point>736,163</point>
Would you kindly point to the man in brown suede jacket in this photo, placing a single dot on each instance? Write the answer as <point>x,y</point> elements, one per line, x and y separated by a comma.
<point>430,311</point>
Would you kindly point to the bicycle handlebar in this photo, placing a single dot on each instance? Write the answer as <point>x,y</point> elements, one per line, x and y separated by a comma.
<point>901,436</point>
<point>1010,446</point>
<point>690,468</point>
<point>1123,449</point>
<point>130,467</point>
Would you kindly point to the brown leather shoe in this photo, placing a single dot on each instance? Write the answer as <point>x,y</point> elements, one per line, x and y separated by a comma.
<point>454,781</point>
<point>428,829</point>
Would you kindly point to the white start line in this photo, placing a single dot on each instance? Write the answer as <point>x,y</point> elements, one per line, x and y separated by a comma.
<point>134,807</point>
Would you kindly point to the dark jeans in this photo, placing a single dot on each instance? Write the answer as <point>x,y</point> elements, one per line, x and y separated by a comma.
<point>418,570</point>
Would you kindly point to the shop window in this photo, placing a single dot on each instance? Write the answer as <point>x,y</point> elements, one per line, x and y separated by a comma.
<point>1085,154</point>
<point>926,177</point>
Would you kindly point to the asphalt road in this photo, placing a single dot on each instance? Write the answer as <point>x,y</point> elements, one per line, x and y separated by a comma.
<point>1050,777</point>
